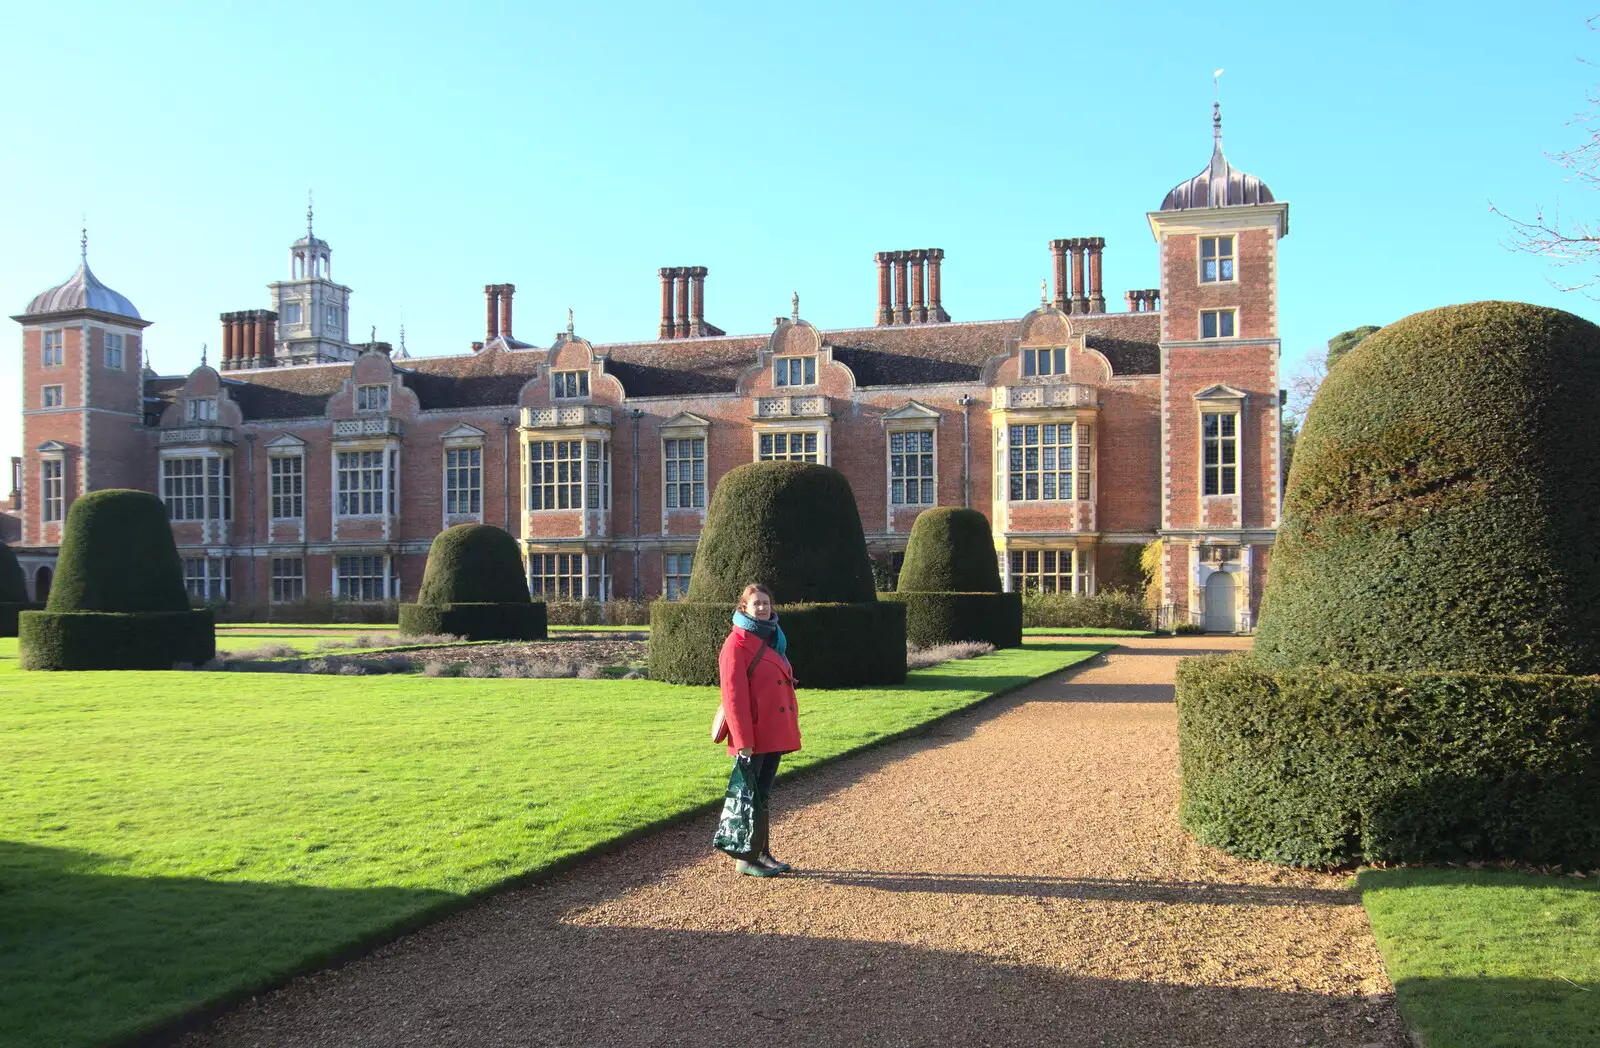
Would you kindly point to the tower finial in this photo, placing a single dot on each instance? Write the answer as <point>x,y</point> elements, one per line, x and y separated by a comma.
<point>83,241</point>
<point>1216,108</point>
<point>795,307</point>
<point>569,321</point>
<point>202,354</point>
<point>1044,292</point>
<point>308,214</point>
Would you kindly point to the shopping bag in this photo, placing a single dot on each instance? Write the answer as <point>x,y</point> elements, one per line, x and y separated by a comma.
<point>736,830</point>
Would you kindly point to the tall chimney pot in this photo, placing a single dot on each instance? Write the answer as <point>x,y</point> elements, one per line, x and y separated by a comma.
<point>936,312</point>
<point>506,291</point>
<point>1080,301</point>
<point>668,328</point>
<point>885,311</point>
<point>681,328</point>
<point>919,304</point>
<point>491,309</point>
<point>697,300</point>
<point>1097,297</point>
<point>902,306</point>
<point>1058,254</point>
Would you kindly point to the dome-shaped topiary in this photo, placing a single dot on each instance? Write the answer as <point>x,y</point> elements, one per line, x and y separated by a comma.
<point>13,588</point>
<point>117,554</point>
<point>118,600</point>
<point>473,564</point>
<point>950,550</point>
<point>474,587</point>
<point>1443,502</point>
<point>791,525</point>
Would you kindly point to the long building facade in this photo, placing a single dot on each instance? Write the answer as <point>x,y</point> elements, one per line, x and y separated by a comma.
<point>305,463</point>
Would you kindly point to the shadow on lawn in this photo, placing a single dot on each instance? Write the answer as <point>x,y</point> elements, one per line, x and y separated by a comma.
<point>88,955</point>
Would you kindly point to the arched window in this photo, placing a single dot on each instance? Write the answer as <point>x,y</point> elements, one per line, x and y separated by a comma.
<point>41,584</point>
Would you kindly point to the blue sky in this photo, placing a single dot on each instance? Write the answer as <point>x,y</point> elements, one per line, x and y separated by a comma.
<point>572,150</point>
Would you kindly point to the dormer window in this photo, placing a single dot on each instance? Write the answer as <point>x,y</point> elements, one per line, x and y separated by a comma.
<point>1216,259</point>
<point>794,371</point>
<point>200,409</point>
<point>1044,361</point>
<point>372,398</point>
<point>570,385</point>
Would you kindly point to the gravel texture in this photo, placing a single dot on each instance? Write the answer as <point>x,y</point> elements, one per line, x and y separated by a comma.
<point>1015,877</point>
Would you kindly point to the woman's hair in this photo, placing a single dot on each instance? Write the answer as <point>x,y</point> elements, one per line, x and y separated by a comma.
<point>754,587</point>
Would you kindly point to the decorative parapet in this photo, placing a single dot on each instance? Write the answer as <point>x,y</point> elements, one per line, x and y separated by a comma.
<point>385,426</point>
<point>566,415</point>
<point>792,407</point>
<point>1067,395</point>
<point>196,436</point>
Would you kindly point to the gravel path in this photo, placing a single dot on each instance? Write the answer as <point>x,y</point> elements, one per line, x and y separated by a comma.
<point>1015,878</point>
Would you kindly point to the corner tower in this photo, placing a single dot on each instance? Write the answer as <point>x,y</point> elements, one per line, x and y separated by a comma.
<point>82,399</point>
<point>313,319</point>
<point>1218,234</point>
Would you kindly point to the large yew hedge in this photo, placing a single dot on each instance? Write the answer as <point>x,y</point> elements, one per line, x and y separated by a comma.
<point>474,587</point>
<point>1422,682</point>
<point>118,600</point>
<point>793,527</point>
<point>950,583</point>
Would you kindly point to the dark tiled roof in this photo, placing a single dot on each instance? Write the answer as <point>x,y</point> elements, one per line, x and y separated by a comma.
<point>878,356</point>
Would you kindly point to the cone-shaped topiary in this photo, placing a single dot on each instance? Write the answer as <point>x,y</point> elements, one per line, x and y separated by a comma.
<point>13,592</point>
<point>793,527</point>
<point>1444,499</point>
<point>1421,684</point>
<point>118,600</point>
<point>950,550</point>
<point>950,583</point>
<point>474,587</point>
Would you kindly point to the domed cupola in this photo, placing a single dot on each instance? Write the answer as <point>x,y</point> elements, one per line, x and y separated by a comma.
<point>1220,184</point>
<point>82,291</point>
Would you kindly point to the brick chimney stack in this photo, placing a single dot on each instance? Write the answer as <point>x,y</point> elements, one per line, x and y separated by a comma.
<point>1146,300</point>
<point>668,327</point>
<point>682,327</point>
<point>885,310</point>
<point>491,311</point>
<point>267,345</point>
<point>697,300</point>
<point>1058,256</point>
<point>1080,301</point>
<point>1097,297</point>
<point>936,313</point>
<point>506,291</point>
<point>919,304</point>
<point>227,340</point>
<point>902,305</point>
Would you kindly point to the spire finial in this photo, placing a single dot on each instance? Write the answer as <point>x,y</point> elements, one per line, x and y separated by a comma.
<point>569,321</point>
<point>794,304</point>
<point>1216,108</point>
<point>1044,292</point>
<point>83,241</point>
<point>402,340</point>
<point>203,354</point>
<point>308,214</point>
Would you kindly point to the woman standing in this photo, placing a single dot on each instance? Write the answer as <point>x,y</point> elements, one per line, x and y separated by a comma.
<point>758,706</point>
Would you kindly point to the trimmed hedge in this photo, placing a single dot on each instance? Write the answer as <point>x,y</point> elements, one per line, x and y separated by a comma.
<point>502,621</point>
<point>13,587</point>
<point>1443,501</point>
<point>473,564</point>
<point>1323,767</point>
<point>1108,610</point>
<point>117,555</point>
<point>950,550</point>
<point>9,612</point>
<point>792,526</point>
<point>943,618</point>
<point>98,640</point>
<point>830,645</point>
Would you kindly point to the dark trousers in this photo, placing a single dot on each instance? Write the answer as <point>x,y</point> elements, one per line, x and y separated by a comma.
<point>764,767</point>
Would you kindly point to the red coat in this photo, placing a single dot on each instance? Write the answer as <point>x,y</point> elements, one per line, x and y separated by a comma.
<point>759,708</point>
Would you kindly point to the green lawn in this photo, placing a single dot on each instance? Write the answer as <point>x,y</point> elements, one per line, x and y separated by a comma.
<point>171,839</point>
<point>1489,958</point>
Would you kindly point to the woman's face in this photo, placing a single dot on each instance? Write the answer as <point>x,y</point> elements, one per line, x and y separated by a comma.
<point>758,605</point>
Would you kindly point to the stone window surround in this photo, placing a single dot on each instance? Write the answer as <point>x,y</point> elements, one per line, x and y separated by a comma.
<point>1231,256</point>
<point>822,427</point>
<point>1220,400</point>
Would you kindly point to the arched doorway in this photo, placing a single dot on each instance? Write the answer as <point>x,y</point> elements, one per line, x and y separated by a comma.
<point>41,585</point>
<point>1220,614</point>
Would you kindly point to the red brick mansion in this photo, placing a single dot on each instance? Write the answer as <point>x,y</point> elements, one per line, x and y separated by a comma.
<point>305,463</point>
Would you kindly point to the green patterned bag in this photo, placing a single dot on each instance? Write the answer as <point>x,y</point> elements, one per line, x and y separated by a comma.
<point>736,830</point>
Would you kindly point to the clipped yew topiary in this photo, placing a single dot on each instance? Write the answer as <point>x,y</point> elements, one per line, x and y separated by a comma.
<point>474,587</point>
<point>13,592</point>
<point>793,527</point>
<point>118,600</point>
<point>950,583</point>
<point>1421,686</point>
